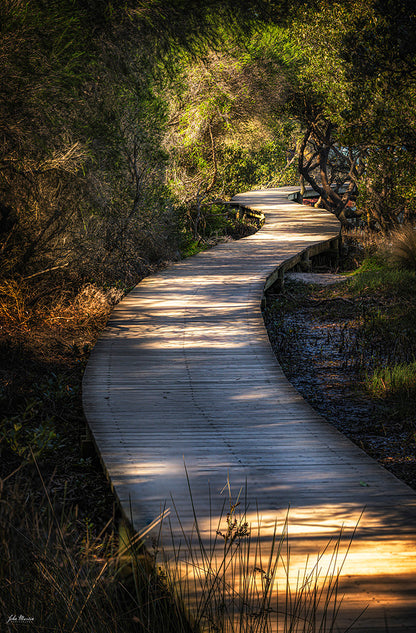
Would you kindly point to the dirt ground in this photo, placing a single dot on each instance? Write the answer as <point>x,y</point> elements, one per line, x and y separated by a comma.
<point>314,336</point>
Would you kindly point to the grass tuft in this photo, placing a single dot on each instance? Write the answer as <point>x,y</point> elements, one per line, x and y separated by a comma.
<point>57,572</point>
<point>239,579</point>
<point>377,275</point>
<point>403,247</point>
<point>397,381</point>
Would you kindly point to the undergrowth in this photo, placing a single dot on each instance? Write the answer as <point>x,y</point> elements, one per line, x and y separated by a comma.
<point>381,340</point>
<point>58,547</point>
<point>395,381</point>
<point>403,247</point>
<point>218,224</point>
<point>60,576</point>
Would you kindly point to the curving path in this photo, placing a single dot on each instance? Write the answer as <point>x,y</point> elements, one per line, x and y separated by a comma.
<point>184,371</point>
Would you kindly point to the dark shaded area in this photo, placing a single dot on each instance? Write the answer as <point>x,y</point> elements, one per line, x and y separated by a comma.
<point>40,385</point>
<point>324,339</point>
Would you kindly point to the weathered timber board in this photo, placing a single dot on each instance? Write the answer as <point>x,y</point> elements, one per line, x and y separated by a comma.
<point>184,373</point>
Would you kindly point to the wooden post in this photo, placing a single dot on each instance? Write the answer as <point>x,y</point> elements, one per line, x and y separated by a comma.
<point>87,445</point>
<point>305,262</point>
<point>280,281</point>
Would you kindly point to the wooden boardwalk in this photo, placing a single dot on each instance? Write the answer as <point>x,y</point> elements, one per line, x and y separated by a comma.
<point>185,372</point>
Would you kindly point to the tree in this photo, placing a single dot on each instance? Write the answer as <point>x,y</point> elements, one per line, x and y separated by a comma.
<point>221,136</point>
<point>355,96</point>
<point>82,169</point>
<point>332,171</point>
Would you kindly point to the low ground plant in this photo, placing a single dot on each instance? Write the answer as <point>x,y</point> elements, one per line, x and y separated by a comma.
<point>394,381</point>
<point>376,273</point>
<point>59,576</point>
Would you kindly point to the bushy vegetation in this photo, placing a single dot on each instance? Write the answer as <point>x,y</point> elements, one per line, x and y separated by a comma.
<point>114,150</point>
<point>81,179</point>
<point>384,333</point>
<point>124,127</point>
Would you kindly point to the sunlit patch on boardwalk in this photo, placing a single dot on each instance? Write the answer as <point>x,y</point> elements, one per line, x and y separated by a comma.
<point>185,374</point>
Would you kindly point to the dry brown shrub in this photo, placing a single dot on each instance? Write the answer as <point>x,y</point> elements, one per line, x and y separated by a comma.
<point>366,239</point>
<point>90,306</point>
<point>25,306</point>
<point>13,304</point>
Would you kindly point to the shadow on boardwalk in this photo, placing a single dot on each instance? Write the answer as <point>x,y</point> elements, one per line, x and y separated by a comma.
<point>185,371</point>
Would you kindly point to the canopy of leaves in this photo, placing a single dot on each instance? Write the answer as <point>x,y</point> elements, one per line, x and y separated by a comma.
<point>356,68</point>
<point>120,122</point>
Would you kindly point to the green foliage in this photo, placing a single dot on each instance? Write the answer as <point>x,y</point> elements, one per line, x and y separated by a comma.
<point>24,440</point>
<point>32,430</point>
<point>380,113</point>
<point>190,247</point>
<point>387,187</point>
<point>107,131</point>
<point>382,340</point>
<point>82,173</point>
<point>352,65</point>
<point>377,273</point>
<point>217,223</point>
<point>395,381</point>
<point>247,168</point>
<point>102,139</point>
<point>221,114</point>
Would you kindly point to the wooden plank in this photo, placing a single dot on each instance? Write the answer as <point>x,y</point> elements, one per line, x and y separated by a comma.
<point>184,371</point>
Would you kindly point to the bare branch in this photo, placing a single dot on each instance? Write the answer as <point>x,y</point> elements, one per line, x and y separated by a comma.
<point>47,270</point>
